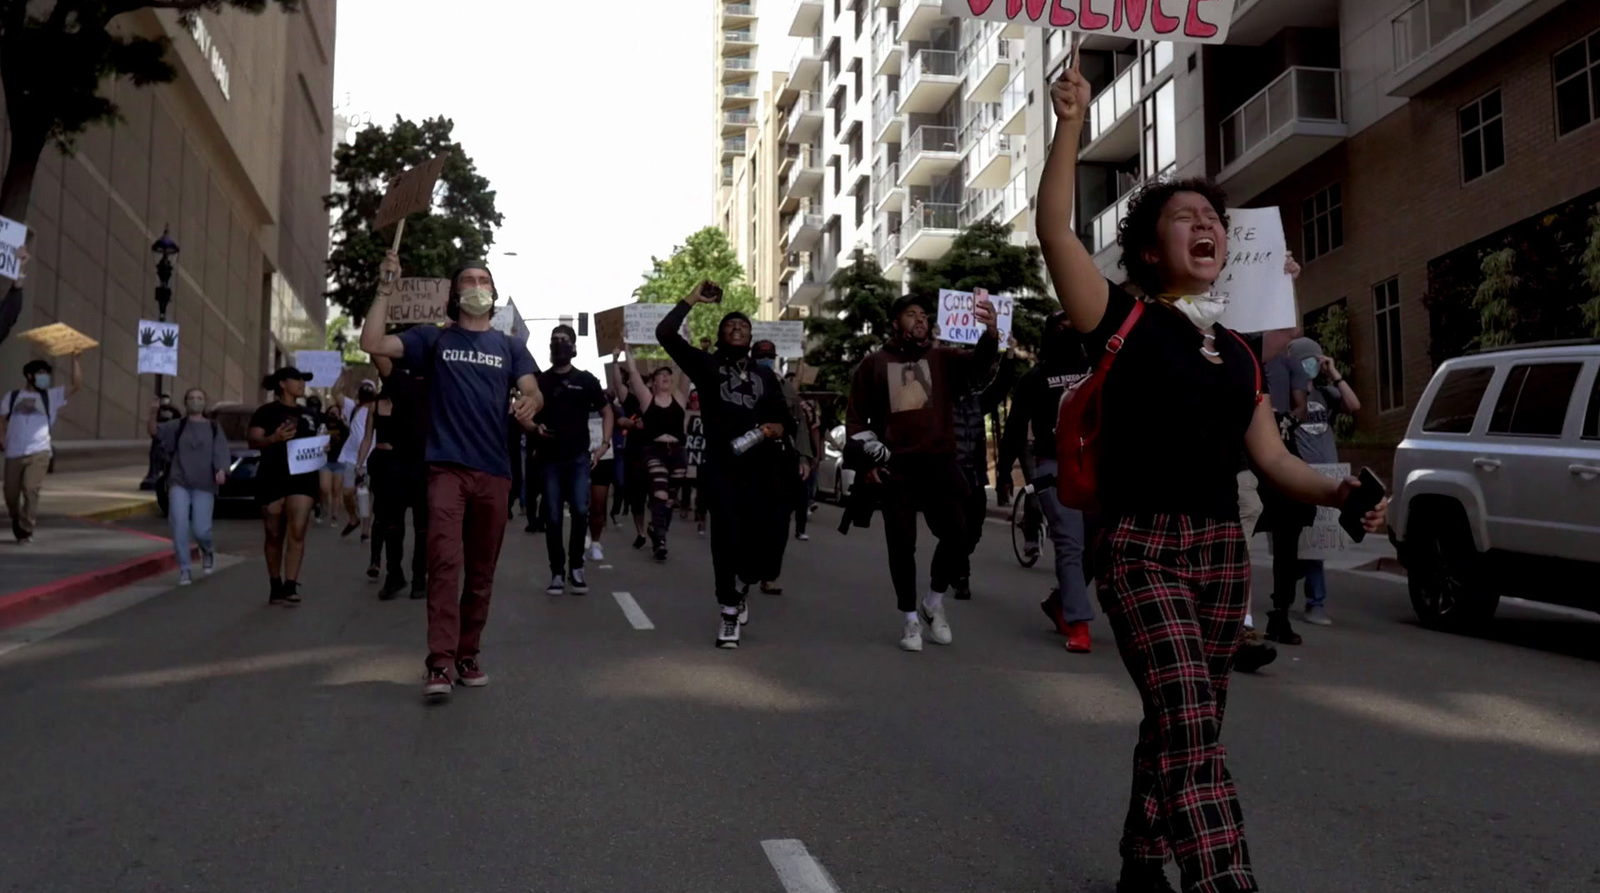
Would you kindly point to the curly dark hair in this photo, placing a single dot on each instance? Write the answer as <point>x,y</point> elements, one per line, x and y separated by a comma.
<point>1138,231</point>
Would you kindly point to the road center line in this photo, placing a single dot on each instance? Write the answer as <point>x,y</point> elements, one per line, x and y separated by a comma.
<point>797,871</point>
<point>632,611</point>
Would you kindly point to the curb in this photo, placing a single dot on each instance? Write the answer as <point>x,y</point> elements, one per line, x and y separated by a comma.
<point>31,604</point>
<point>144,508</point>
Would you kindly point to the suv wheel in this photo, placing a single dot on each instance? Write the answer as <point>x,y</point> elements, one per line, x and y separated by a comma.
<point>1449,587</point>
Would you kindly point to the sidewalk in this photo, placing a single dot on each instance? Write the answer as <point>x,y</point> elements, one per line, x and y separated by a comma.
<point>77,554</point>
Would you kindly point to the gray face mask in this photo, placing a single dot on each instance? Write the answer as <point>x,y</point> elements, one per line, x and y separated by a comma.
<point>1310,366</point>
<point>41,380</point>
<point>195,405</point>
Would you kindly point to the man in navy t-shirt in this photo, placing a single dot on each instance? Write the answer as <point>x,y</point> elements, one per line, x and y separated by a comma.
<point>476,376</point>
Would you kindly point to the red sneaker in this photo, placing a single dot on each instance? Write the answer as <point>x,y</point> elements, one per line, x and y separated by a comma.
<point>1052,609</point>
<point>469,674</point>
<point>436,688</point>
<point>1078,638</point>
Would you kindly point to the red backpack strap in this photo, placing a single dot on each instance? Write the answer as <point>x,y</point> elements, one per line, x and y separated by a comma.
<point>1115,342</point>
<point>1255,361</point>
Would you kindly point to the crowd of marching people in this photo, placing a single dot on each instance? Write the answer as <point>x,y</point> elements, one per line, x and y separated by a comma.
<point>462,423</point>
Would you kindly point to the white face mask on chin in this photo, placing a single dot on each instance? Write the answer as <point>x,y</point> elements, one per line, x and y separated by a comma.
<point>1202,310</point>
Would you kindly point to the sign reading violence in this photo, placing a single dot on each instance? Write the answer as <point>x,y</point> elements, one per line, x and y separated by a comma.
<point>1259,294</point>
<point>419,300</point>
<point>958,323</point>
<point>1191,21</point>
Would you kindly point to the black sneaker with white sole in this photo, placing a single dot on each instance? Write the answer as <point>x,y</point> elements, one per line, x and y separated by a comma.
<point>576,583</point>
<point>744,613</point>
<point>558,585</point>
<point>728,631</point>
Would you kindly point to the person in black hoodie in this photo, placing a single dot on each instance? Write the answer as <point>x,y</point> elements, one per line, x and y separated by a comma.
<point>902,415</point>
<point>744,415</point>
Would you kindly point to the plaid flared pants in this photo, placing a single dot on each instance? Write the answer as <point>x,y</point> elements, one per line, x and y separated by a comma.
<point>1175,589</point>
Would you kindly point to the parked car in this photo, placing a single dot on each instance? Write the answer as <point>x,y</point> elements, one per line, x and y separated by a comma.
<point>1497,484</point>
<point>833,479</point>
<point>238,490</point>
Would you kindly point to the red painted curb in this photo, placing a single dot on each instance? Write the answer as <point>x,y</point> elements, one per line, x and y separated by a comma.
<point>30,604</point>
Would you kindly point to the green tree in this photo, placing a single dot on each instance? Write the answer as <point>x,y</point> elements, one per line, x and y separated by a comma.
<point>1332,332</point>
<point>852,324</point>
<point>704,255</point>
<point>1589,267</point>
<point>340,326</point>
<point>1494,299</point>
<point>983,256</point>
<point>460,227</point>
<point>54,59</point>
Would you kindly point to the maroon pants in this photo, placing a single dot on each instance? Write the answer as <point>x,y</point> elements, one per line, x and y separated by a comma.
<point>466,522</point>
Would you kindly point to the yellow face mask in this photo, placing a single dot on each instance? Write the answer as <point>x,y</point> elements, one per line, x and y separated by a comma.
<point>1202,310</point>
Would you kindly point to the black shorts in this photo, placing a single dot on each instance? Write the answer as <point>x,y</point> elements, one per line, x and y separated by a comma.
<point>270,490</point>
<point>603,474</point>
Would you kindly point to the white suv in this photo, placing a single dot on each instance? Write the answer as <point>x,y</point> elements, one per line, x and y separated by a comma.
<point>1497,484</point>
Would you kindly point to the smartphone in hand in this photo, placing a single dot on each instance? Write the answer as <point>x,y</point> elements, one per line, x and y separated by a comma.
<point>711,291</point>
<point>1363,499</point>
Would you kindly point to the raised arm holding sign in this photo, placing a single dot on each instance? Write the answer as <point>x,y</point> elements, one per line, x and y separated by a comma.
<point>410,193</point>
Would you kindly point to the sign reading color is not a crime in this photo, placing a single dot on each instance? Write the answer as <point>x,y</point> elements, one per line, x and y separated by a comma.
<point>1190,21</point>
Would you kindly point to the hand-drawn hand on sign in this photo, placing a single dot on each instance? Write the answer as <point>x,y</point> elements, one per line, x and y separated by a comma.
<point>410,193</point>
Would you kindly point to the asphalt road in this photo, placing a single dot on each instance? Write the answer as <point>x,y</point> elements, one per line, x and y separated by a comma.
<point>202,741</point>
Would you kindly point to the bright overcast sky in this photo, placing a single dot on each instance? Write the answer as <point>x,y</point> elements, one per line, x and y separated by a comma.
<point>591,120</point>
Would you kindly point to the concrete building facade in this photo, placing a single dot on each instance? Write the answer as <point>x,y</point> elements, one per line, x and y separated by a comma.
<point>234,156</point>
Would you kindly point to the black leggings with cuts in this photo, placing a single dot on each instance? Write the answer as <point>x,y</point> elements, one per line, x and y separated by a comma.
<point>399,484</point>
<point>667,467</point>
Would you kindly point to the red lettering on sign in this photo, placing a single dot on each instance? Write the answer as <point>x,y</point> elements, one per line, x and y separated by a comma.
<point>1061,18</point>
<point>1195,26</point>
<point>1131,11</point>
<point>1091,20</point>
<point>979,7</point>
<point>1036,8</point>
<point>1163,23</point>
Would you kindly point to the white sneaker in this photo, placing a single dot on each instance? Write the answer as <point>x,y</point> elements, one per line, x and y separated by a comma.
<point>744,613</point>
<point>596,553</point>
<point>580,586</point>
<point>558,585</point>
<point>208,564</point>
<point>728,631</point>
<point>938,626</point>
<point>803,537</point>
<point>911,637</point>
<point>185,579</point>
<point>1318,616</point>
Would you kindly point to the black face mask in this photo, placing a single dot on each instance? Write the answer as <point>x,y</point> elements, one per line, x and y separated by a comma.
<point>366,395</point>
<point>562,352</point>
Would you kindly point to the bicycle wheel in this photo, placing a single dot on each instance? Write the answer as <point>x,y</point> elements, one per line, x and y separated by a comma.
<point>1019,531</point>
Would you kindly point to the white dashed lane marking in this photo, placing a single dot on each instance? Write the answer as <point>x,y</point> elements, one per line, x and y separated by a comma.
<point>797,870</point>
<point>632,611</point>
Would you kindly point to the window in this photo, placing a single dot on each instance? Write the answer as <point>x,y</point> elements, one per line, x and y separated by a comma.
<point>863,193</point>
<point>1455,406</point>
<point>1160,138</point>
<point>833,169</point>
<point>1391,371</point>
<point>1533,401</point>
<point>1154,57</point>
<point>1483,139</point>
<point>1591,419</point>
<point>861,18</point>
<point>1577,77</point>
<point>855,72</point>
<point>1322,223</point>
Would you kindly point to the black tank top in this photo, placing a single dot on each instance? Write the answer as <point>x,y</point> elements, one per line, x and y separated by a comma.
<point>387,429</point>
<point>663,420</point>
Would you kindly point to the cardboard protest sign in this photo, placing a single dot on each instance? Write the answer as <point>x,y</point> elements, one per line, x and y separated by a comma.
<point>957,322</point>
<point>1259,293</point>
<point>419,300</point>
<point>410,193</point>
<point>807,375</point>
<point>608,330</point>
<point>308,454</point>
<point>1188,21</point>
<point>694,444</point>
<point>1325,539</point>
<point>12,237</point>
<point>508,319</point>
<point>325,366</point>
<point>788,336</point>
<point>59,339</point>
<point>158,347</point>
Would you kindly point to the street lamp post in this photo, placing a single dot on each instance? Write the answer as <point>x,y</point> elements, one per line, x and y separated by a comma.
<point>166,249</point>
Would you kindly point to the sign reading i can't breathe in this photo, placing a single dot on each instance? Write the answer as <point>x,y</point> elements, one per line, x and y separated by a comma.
<point>308,454</point>
<point>1190,21</point>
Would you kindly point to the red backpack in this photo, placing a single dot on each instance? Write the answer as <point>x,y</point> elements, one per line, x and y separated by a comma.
<point>1078,423</point>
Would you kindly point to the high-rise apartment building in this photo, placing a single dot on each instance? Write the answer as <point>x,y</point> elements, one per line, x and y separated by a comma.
<point>737,94</point>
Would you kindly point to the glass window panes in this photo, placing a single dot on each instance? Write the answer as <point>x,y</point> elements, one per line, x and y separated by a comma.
<point>1391,365</point>
<point>1591,417</point>
<point>1534,400</point>
<point>1483,147</point>
<point>1577,77</point>
<point>1455,406</point>
<point>1321,223</point>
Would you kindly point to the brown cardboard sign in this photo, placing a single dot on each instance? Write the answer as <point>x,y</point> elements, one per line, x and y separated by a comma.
<point>419,300</point>
<point>58,339</point>
<point>608,328</point>
<point>410,193</point>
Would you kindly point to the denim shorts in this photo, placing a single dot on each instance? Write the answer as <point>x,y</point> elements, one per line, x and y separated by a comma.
<point>335,467</point>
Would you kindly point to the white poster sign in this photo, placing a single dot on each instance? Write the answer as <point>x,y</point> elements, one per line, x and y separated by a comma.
<point>158,347</point>
<point>958,324</point>
<point>10,264</point>
<point>639,322</point>
<point>308,454</point>
<point>1325,539</point>
<point>788,336</point>
<point>325,366</point>
<point>1189,21</point>
<point>1259,293</point>
<point>12,236</point>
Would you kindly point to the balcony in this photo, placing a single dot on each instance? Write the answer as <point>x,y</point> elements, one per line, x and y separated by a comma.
<point>803,230</point>
<point>804,285</point>
<point>1111,129</point>
<point>806,65</point>
<point>931,153</point>
<point>806,18</point>
<point>1434,38</point>
<point>738,14</point>
<point>1294,120</point>
<point>930,80</point>
<point>804,124</point>
<point>929,231</point>
<point>1014,104</point>
<point>886,186</point>
<point>986,67</point>
<point>989,163</point>
<point>886,250</point>
<point>734,122</point>
<point>980,203</point>
<point>738,95</point>
<point>1257,21</point>
<point>740,41</point>
<point>886,121</point>
<point>918,18</point>
<point>887,53</point>
<point>738,68</point>
<point>732,146</point>
<point>1102,234</point>
<point>1014,202</point>
<point>804,175</point>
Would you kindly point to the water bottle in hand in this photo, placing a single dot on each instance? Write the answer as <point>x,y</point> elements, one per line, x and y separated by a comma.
<point>747,441</point>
